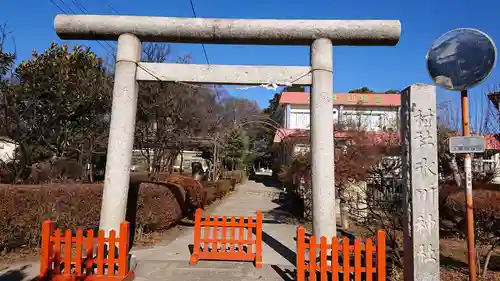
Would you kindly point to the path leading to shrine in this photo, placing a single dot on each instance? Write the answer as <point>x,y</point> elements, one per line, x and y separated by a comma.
<point>170,260</point>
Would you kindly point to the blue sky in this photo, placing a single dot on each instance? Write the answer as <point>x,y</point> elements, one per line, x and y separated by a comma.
<point>379,68</point>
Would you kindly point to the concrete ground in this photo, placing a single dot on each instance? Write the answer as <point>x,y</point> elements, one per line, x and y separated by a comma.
<point>169,260</point>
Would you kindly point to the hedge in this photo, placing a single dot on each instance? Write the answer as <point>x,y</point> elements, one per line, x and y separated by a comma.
<point>151,207</point>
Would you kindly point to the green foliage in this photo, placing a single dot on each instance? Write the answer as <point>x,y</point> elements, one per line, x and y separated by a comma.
<point>392,91</point>
<point>273,104</point>
<point>6,62</point>
<point>366,90</point>
<point>236,149</point>
<point>361,90</point>
<point>59,106</point>
<point>61,96</point>
<point>294,88</point>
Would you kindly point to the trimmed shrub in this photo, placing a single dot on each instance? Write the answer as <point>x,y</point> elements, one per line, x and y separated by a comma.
<point>452,204</point>
<point>23,209</point>
<point>238,175</point>
<point>223,187</point>
<point>194,189</point>
<point>159,206</point>
<point>486,198</point>
<point>151,206</point>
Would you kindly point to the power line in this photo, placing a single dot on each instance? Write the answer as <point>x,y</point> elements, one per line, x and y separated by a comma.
<point>85,11</point>
<point>65,12</point>
<point>111,7</point>
<point>62,2</point>
<point>268,86</point>
<point>59,7</point>
<point>202,45</point>
<point>204,49</point>
<point>194,14</point>
<point>80,6</point>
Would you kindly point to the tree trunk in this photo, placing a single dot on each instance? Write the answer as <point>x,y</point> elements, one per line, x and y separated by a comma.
<point>91,172</point>
<point>90,163</point>
<point>344,216</point>
<point>487,261</point>
<point>181,166</point>
<point>156,163</point>
<point>478,262</point>
<point>456,173</point>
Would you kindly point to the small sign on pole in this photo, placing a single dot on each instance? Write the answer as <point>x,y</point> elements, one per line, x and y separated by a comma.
<point>469,144</point>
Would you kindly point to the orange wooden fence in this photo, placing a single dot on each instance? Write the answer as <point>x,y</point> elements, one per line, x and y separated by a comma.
<point>224,238</point>
<point>65,257</point>
<point>344,262</point>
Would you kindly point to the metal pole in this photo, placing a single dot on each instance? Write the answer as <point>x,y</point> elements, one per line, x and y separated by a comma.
<point>322,146</point>
<point>121,134</point>
<point>468,191</point>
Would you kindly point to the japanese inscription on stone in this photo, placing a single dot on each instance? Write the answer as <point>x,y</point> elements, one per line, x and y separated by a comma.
<point>420,172</point>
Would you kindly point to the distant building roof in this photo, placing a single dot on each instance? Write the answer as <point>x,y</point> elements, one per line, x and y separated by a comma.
<point>367,99</point>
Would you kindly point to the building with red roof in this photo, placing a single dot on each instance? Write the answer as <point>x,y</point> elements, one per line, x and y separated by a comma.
<point>375,113</point>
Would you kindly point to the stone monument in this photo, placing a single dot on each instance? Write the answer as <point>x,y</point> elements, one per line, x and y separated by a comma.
<point>420,183</point>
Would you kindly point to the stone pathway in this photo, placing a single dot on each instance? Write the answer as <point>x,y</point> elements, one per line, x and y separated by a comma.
<point>172,259</point>
<point>169,260</point>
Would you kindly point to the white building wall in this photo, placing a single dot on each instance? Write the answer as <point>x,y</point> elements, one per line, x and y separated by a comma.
<point>371,118</point>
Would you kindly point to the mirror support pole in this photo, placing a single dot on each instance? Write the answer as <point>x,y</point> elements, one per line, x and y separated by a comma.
<point>471,251</point>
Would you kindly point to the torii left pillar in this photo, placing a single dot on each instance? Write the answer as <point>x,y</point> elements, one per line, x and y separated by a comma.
<point>121,133</point>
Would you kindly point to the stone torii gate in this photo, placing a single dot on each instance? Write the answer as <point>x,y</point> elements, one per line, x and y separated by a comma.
<point>321,35</point>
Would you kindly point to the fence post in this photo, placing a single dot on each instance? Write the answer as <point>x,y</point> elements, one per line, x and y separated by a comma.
<point>68,237</point>
<point>312,258</point>
<point>381,255</point>
<point>357,259</point>
<point>335,258</point>
<point>79,252</point>
<point>100,253</point>
<point>47,229</point>
<point>123,266</point>
<point>323,252</point>
<point>346,259</point>
<point>300,254</point>
<point>369,259</point>
<point>197,236</point>
<point>111,261</point>
<point>258,240</point>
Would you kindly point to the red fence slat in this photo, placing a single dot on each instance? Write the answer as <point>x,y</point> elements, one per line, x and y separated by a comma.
<point>352,264</point>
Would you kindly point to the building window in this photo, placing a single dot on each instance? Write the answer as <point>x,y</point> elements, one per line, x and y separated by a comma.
<point>299,120</point>
<point>364,121</point>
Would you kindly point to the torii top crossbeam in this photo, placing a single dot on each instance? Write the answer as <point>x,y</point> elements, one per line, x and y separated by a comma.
<point>229,31</point>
